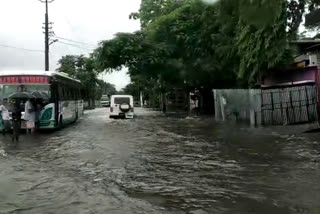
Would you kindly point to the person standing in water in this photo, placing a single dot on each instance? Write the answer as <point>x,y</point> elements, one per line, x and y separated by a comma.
<point>38,108</point>
<point>16,120</point>
<point>5,116</point>
<point>29,116</point>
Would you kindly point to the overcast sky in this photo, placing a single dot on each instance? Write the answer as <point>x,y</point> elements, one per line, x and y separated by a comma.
<point>88,21</point>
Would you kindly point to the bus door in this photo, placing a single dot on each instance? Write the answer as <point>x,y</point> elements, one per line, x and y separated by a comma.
<point>56,98</point>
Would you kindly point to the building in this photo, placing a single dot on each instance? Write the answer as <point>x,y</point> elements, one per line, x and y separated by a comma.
<point>289,96</point>
<point>286,96</point>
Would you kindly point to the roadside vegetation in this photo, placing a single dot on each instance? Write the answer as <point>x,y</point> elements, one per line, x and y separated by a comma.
<point>195,44</point>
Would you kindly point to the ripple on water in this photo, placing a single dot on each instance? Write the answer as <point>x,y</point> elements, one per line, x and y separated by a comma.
<point>191,165</point>
<point>184,171</point>
<point>3,153</point>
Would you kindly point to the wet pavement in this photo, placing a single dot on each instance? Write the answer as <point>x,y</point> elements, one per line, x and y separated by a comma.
<point>159,164</point>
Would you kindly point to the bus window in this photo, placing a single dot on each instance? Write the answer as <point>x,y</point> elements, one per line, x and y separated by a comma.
<point>61,94</point>
<point>42,89</point>
<point>76,94</point>
<point>65,93</point>
<point>68,93</point>
<point>73,95</point>
<point>79,94</point>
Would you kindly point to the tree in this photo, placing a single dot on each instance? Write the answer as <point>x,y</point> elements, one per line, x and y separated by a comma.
<point>82,68</point>
<point>147,62</point>
<point>313,17</point>
<point>106,88</point>
<point>192,34</point>
<point>67,64</point>
<point>261,46</point>
<point>131,89</point>
<point>150,10</point>
<point>197,45</point>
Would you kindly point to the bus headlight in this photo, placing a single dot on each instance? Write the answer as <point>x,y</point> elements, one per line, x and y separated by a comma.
<point>47,114</point>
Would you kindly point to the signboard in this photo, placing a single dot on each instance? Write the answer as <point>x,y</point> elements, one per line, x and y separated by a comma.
<point>301,64</point>
<point>24,79</point>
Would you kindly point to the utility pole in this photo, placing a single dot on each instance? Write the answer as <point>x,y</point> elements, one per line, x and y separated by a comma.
<point>46,33</point>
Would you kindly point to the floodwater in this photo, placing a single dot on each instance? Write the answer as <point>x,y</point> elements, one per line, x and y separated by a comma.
<point>160,164</point>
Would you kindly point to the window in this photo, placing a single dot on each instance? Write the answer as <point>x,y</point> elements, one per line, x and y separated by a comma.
<point>69,93</point>
<point>61,94</point>
<point>121,100</point>
<point>7,90</point>
<point>78,94</point>
<point>104,98</point>
<point>66,93</point>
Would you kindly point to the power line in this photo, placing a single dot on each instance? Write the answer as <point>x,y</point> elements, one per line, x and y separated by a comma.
<point>70,40</point>
<point>76,46</point>
<point>18,48</point>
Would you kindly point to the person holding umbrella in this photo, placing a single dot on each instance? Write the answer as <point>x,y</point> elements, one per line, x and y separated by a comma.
<point>37,104</point>
<point>29,116</point>
<point>29,111</point>
<point>16,119</point>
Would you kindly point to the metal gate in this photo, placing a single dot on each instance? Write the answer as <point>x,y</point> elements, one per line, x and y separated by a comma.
<point>290,105</point>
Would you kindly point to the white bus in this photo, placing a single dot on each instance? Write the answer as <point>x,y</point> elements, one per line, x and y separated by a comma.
<point>60,95</point>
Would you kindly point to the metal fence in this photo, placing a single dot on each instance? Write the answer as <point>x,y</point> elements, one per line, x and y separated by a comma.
<point>280,106</point>
<point>291,105</point>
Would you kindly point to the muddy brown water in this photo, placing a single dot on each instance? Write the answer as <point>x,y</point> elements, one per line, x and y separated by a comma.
<point>159,164</point>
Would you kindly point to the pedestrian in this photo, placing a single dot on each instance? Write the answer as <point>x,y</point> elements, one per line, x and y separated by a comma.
<point>16,120</point>
<point>5,116</point>
<point>29,116</point>
<point>39,108</point>
<point>197,106</point>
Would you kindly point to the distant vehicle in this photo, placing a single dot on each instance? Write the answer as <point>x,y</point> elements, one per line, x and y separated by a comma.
<point>121,106</point>
<point>57,94</point>
<point>137,104</point>
<point>105,101</point>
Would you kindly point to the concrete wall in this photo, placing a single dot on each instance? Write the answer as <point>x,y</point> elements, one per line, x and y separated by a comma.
<point>274,106</point>
<point>238,104</point>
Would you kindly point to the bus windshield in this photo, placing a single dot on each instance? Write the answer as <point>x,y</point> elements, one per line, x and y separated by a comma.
<point>7,90</point>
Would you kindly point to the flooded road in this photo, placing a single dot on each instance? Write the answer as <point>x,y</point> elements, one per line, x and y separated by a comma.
<point>158,164</point>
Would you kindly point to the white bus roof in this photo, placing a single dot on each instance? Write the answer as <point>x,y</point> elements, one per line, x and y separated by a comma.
<point>37,73</point>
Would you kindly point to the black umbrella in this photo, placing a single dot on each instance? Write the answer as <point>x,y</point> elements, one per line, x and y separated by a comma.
<point>21,95</point>
<point>37,95</point>
<point>45,95</point>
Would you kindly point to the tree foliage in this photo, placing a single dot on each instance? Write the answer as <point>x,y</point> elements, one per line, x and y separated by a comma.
<point>106,88</point>
<point>313,17</point>
<point>194,44</point>
<point>211,45</point>
<point>151,10</point>
<point>83,68</point>
<point>260,46</point>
